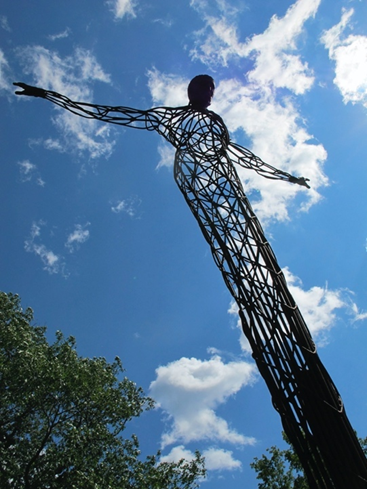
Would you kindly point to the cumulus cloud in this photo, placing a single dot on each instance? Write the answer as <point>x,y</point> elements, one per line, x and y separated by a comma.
<point>72,76</point>
<point>215,458</point>
<point>220,459</point>
<point>277,135</point>
<point>52,262</point>
<point>260,107</point>
<point>273,51</point>
<point>189,390</point>
<point>178,453</point>
<point>350,56</point>
<point>77,237</point>
<point>167,89</point>
<point>122,8</point>
<point>318,306</point>
<point>276,61</point>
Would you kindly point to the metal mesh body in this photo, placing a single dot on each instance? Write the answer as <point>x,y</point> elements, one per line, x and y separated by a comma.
<point>310,407</point>
<point>303,393</point>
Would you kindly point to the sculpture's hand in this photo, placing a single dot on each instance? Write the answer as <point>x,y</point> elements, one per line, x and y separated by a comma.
<point>30,91</point>
<point>300,181</point>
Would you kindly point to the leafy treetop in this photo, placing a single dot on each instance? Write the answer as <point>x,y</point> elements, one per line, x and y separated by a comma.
<point>62,416</point>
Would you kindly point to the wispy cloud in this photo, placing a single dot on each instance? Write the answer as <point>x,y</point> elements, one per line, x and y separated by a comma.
<point>357,315</point>
<point>29,171</point>
<point>122,8</point>
<point>166,155</point>
<point>189,391</point>
<point>5,83</point>
<point>350,56</point>
<point>4,24</point>
<point>26,170</point>
<point>61,35</point>
<point>52,262</point>
<point>71,75</point>
<point>77,237</point>
<point>274,52</point>
<point>128,206</point>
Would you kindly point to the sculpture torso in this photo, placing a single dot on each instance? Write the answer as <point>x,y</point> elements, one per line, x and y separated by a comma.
<point>201,134</point>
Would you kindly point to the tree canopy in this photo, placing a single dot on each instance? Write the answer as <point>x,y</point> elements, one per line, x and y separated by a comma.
<point>62,416</point>
<point>281,469</point>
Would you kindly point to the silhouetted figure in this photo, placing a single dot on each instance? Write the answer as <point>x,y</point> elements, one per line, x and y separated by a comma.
<point>302,392</point>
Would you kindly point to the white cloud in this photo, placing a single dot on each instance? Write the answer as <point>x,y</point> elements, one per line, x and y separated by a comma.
<point>279,138</point>
<point>167,155</point>
<point>219,459</point>
<point>178,453</point>
<point>77,237</point>
<point>26,170</point>
<point>53,144</point>
<point>167,89</point>
<point>217,42</point>
<point>275,61</point>
<point>52,262</point>
<point>189,390</point>
<point>29,170</point>
<point>277,133</point>
<point>357,314</point>
<point>128,206</point>
<point>350,56</point>
<point>5,83</point>
<point>61,35</point>
<point>123,7</point>
<point>215,458</point>
<point>255,106</point>
<point>319,307</point>
<point>4,23</point>
<point>72,77</point>
<point>273,50</point>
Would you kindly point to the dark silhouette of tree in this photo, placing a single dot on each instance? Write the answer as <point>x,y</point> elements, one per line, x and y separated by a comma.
<point>62,416</point>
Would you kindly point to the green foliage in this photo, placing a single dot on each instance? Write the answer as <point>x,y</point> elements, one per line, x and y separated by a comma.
<point>283,470</point>
<point>61,416</point>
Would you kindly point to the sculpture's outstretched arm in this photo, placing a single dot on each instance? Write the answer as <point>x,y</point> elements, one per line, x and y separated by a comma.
<point>248,160</point>
<point>154,119</point>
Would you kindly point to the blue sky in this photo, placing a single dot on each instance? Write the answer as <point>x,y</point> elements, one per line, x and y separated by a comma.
<point>97,239</point>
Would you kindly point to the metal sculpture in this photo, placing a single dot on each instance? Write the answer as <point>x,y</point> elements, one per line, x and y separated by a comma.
<point>310,407</point>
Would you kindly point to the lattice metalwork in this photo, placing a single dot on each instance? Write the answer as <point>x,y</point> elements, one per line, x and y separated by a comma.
<point>310,407</point>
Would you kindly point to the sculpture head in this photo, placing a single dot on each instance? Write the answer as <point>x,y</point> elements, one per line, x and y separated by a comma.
<point>201,91</point>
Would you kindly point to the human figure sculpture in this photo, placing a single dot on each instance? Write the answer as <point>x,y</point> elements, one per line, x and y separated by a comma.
<point>309,405</point>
